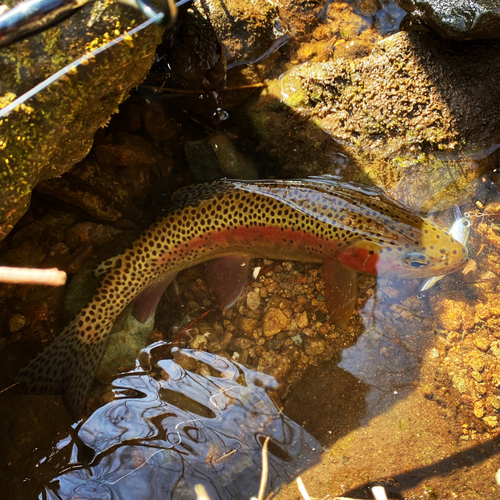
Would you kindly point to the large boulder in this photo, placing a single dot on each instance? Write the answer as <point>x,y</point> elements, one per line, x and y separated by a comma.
<point>54,130</point>
<point>418,116</point>
<point>457,19</point>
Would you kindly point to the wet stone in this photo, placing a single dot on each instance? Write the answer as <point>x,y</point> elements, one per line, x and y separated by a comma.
<point>16,322</point>
<point>199,342</point>
<point>275,344</point>
<point>477,364</point>
<point>463,20</point>
<point>453,311</point>
<point>494,402</point>
<point>302,320</point>
<point>248,325</point>
<point>482,344</point>
<point>460,384</point>
<point>495,349</point>
<point>253,300</point>
<point>315,347</point>
<point>129,151</point>
<point>274,321</point>
<point>479,410</point>
<point>491,421</point>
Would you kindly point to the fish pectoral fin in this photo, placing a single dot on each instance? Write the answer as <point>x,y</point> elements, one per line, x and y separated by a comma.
<point>341,291</point>
<point>227,278</point>
<point>145,304</point>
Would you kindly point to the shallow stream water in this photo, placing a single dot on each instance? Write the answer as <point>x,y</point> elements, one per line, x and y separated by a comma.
<point>406,396</point>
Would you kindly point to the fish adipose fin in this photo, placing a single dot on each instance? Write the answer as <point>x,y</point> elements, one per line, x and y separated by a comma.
<point>227,278</point>
<point>145,304</point>
<point>341,291</point>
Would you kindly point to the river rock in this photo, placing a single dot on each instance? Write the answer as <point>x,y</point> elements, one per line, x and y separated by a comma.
<point>419,116</point>
<point>457,19</point>
<point>54,130</point>
<point>218,157</point>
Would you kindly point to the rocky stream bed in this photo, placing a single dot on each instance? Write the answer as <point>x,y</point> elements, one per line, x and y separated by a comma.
<point>409,391</point>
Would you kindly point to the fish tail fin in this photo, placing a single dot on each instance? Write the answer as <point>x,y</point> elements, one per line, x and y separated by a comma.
<point>68,365</point>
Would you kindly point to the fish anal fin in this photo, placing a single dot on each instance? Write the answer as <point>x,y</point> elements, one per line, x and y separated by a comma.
<point>341,291</point>
<point>227,277</point>
<point>145,304</point>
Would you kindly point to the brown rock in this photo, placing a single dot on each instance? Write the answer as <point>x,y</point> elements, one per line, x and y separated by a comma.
<point>274,321</point>
<point>129,150</point>
<point>452,310</point>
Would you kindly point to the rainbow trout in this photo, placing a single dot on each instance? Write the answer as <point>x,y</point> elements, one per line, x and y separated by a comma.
<point>348,228</point>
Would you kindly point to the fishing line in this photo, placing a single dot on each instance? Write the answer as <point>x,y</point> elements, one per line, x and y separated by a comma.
<point>87,57</point>
<point>137,468</point>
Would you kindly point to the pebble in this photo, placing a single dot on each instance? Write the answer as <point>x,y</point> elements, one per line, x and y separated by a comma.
<point>274,321</point>
<point>479,410</point>
<point>302,320</point>
<point>491,421</point>
<point>16,322</point>
<point>253,300</point>
<point>482,344</point>
<point>477,364</point>
<point>199,342</point>
<point>248,325</point>
<point>453,311</point>
<point>314,347</point>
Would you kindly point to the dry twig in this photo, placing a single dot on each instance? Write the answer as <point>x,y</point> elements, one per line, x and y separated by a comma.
<point>25,275</point>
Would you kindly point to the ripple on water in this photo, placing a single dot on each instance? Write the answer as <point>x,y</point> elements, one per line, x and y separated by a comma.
<point>160,438</point>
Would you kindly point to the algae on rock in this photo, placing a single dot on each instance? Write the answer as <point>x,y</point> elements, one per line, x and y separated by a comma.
<point>413,110</point>
<point>53,130</point>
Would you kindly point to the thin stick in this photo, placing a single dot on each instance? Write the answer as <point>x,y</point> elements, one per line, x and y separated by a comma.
<point>379,493</point>
<point>25,275</point>
<point>200,91</point>
<point>263,478</point>
<point>201,492</point>
<point>10,387</point>
<point>302,489</point>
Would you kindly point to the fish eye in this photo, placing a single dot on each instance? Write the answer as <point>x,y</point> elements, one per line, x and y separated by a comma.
<point>466,223</point>
<point>416,259</point>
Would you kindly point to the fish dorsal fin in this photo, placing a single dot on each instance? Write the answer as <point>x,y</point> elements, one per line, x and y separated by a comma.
<point>341,291</point>
<point>192,195</point>
<point>145,304</point>
<point>227,278</point>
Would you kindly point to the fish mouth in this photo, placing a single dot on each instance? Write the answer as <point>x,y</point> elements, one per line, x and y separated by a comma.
<point>439,268</point>
<point>431,268</point>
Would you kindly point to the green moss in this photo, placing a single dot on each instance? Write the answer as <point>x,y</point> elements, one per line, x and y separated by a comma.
<point>54,129</point>
<point>298,99</point>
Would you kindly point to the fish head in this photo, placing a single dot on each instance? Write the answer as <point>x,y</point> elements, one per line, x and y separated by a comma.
<point>421,250</point>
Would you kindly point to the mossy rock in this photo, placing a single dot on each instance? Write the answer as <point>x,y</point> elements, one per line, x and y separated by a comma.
<point>53,130</point>
<point>464,20</point>
<point>420,117</point>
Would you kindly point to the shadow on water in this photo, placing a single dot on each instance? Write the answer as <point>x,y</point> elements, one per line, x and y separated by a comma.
<point>461,460</point>
<point>160,437</point>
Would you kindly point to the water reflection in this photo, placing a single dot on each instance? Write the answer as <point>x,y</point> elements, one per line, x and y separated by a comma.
<point>160,438</point>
